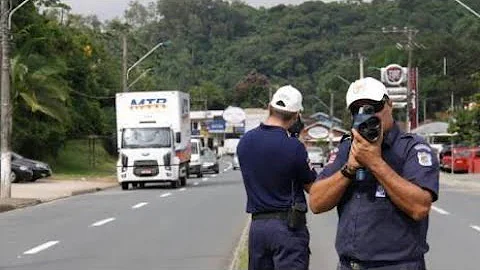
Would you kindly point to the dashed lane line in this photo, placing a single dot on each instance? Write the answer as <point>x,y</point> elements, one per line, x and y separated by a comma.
<point>182,189</point>
<point>164,195</point>
<point>142,204</point>
<point>204,179</point>
<point>195,184</point>
<point>102,222</point>
<point>41,247</point>
<point>475,227</point>
<point>440,210</point>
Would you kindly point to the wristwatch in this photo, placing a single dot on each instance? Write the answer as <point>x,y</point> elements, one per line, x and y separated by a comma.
<point>348,172</point>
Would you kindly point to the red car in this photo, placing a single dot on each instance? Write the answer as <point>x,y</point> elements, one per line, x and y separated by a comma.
<point>463,159</point>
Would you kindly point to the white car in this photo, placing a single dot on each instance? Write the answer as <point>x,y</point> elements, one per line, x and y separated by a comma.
<point>316,156</point>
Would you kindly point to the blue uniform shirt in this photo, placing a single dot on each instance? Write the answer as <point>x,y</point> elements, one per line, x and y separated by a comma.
<point>371,227</point>
<point>270,160</point>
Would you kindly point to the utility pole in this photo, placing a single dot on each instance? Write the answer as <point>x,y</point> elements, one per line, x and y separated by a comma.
<point>330,132</point>
<point>360,56</point>
<point>410,32</point>
<point>6,111</point>
<point>124,63</point>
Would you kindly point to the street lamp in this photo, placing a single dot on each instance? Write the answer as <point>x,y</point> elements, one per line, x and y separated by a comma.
<point>166,43</point>
<point>139,77</point>
<point>468,8</point>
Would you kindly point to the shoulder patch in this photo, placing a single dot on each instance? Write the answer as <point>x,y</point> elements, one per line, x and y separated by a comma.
<point>425,147</point>
<point>424,158</point>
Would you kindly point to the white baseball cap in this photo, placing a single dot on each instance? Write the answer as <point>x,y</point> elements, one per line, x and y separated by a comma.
<point>366,88</point>
<point>287,98</point>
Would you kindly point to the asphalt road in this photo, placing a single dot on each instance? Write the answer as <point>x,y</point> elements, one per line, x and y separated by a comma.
<point>197,227</point>
<point>454,234</point>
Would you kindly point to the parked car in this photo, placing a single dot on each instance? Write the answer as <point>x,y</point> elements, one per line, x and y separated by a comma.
<point>462,158</point>
<point>235,164</point>
<point>40,169</point>
<point>209,161</point>
<point>316,156</point>
<point>20,173</point>
<point>195,166</point>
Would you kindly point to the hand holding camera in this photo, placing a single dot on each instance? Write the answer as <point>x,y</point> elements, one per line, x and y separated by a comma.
<point>367,136</point>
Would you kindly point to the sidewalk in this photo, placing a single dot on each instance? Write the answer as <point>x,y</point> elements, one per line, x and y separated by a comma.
<point>460,179</point>
<point>45,190</point>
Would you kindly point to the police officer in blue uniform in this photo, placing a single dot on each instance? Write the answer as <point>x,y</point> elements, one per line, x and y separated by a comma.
<point>383,218</point>
<point>275,172</point>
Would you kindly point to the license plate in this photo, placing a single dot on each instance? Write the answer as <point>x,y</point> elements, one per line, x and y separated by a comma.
<point>146,171</point>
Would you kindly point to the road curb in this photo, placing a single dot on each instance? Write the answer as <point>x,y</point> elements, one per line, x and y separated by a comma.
<point>241,243</point>
<point>13,204</point>
<point>16,203</point>
<point>92,190</point>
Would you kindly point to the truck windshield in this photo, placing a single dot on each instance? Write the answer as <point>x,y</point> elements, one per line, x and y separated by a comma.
<point>146,138</point>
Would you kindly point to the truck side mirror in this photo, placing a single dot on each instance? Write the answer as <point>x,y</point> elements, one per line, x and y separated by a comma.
<point>178,137</point>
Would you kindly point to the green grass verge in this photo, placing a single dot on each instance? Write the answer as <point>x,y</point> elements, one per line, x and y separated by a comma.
<point>77,159</point>
<point>243,258</point>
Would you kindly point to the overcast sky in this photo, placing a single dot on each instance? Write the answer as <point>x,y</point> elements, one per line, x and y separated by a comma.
<point>108,9</point>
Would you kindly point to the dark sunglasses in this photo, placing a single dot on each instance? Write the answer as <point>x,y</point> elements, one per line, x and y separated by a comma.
<point>377,106</point>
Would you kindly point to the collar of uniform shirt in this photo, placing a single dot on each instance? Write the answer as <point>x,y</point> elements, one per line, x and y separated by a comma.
<point>274,128</point>
<point>389,138</point>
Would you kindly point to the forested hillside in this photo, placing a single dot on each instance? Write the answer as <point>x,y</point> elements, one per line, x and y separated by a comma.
<point>66,68</point>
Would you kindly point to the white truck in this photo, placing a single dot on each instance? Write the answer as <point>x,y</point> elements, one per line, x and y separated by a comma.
<point>153,137</point>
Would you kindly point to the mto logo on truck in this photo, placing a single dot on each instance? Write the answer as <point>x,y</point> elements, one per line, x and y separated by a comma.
<point>148,103</point>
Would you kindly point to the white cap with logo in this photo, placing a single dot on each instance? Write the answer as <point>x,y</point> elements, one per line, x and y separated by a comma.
<point>366,88</point>
<point>287,98</point>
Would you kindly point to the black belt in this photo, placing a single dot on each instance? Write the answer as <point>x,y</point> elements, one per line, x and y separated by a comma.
<point>270,215</point>
<point>357,264</point>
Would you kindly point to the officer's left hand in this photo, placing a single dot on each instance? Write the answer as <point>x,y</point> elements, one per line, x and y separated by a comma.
<point>364,152</point>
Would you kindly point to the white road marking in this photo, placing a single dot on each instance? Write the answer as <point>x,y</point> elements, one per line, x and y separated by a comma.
<point>475,227</point>
<point>225,170</point>
<point>41,247</point>
<point>165,195</point>
<point>440,210</point>
<point>230,165</point>
<point>214,175</point>
<point>204,179</point>
<point>195,184</point>
<point>182,189</point>
<point>102,222</point>
<point>142,204</point>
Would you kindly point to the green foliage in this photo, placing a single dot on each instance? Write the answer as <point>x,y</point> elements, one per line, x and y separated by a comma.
<point>467,123</point>
<point>67,68</point>
<point>76,157</point>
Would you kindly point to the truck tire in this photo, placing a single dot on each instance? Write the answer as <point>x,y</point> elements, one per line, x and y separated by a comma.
<point>183,181</point>
<point>124,186</point>
<point>175,184</point>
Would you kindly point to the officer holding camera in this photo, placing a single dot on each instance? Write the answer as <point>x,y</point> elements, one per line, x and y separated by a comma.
<point>383,182</point>
<point>275,173</point>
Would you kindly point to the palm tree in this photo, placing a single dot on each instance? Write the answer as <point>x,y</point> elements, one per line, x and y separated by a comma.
<point>38,84</point>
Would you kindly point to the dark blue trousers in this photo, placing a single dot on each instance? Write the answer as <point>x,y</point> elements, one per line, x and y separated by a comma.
<point>272,245</point>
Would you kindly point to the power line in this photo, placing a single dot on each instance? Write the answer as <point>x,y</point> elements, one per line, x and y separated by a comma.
<point>92,97</point>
